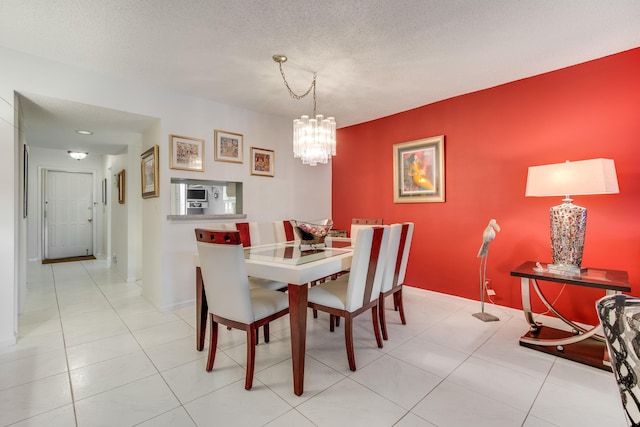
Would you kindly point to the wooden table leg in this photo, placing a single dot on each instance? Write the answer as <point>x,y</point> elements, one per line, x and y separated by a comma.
<point>298,322</point>
<point>202,310</point>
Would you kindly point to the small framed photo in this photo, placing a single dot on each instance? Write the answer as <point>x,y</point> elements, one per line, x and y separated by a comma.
<point>121,186</point>
<point>418,171</point>
<point>262,162</point>
<point>149,169</point>
<point>25,180</point>
<point>187,153</point>
<point>228,146</point>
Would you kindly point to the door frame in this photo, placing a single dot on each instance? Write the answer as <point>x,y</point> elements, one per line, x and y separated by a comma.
<point>42,227</point>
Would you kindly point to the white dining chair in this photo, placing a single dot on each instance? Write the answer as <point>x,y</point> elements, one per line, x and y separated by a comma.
<point>395,270</point>
<point>358,224</point>
<point>356,292</point>
<point>283,231</point>
<point>230,299</point>
<point>251,235</point>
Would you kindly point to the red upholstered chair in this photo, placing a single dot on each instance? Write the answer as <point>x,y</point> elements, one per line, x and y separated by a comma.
<point>230,299</point>
<point>395,269</point>
<point>358,291</point>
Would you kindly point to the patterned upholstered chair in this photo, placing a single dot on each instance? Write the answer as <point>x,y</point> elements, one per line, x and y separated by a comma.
<point>620,320</point>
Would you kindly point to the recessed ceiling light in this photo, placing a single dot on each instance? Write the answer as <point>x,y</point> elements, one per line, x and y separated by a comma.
<point>84,132</point>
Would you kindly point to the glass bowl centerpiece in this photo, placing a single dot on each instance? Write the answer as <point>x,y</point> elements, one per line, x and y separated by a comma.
<point>312,233</point>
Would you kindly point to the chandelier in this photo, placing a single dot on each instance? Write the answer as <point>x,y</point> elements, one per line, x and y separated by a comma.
<point>314,139</point>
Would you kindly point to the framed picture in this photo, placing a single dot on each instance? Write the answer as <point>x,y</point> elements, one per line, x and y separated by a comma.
<point>187,153</point>
<point>228,146</point>
<point>262,162</point>
<point>121,186</point>
<point>149,170</point>
<point>418,171</point>
<point>25,181</point>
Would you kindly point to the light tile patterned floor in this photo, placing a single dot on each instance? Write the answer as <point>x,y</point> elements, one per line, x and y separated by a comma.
<point>93,352</point>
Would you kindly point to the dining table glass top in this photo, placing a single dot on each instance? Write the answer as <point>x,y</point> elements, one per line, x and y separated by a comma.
<point>292,253</point>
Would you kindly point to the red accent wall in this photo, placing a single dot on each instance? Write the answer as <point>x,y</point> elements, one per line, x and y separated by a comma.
<point>585,111</point>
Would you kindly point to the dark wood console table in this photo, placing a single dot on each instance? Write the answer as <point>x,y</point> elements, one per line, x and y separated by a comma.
<point>580,344</point>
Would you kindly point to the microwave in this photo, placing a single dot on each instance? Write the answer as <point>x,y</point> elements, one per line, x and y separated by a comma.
<point>196,195</point>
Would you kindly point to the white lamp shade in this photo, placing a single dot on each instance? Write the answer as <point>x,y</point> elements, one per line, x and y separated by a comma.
<point>595,176</point>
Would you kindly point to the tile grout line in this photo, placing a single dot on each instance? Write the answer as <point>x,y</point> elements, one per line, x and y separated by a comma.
<point>158,372</point>
<point>546,377</point>
<point>143,351</point>
<point>64,343</point>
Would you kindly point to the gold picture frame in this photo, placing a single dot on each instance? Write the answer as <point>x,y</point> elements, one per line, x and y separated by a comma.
<point>149,171</point>
<point>262,162</point>
<point>186,153</point>
<point>229,146</point>
<point>418,171</point>
<point>121,186</point>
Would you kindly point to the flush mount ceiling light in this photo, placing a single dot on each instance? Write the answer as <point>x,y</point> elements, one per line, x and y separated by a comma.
<point>84,132</point>
<point>77,155</point>
<point>314,140</point>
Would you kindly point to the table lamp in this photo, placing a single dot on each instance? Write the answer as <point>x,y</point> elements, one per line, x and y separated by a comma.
<point>568,221</point>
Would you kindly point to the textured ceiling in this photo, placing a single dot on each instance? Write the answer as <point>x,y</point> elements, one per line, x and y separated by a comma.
<point>373,58</point>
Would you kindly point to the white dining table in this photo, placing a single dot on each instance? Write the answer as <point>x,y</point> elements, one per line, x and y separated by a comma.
<point>286,262</point>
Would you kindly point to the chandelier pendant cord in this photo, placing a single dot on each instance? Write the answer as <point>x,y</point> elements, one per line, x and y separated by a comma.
<point>295,95</point>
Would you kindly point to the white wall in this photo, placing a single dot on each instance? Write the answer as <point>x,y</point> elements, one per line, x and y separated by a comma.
<point>296,191</point>
<point>119,215</point>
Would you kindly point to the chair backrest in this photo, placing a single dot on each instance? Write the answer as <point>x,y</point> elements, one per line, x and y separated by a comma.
<point>224,274</point>
<point>396,265</point>
<point>249,233</point>
<point>283,231</point>
<point>402,269</point>
<point>358,224</point>
<point>391,265</point>
<point>367,266</point>
<point>620,319</point>
<point>265,232</point>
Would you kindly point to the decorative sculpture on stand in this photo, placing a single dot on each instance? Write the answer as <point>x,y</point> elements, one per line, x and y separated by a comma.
<point>487,237</point>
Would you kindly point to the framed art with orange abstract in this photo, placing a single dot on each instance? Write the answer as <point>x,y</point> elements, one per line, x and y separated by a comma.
<point>418,171</point>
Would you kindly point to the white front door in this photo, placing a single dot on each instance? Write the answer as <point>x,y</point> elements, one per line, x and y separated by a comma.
<point>68,214</point>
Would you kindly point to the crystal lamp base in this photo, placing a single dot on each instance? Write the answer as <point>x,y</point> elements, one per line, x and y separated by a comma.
<point>568,227</point>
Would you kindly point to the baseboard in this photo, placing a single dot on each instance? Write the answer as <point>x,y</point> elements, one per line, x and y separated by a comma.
<point>8,341</point>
